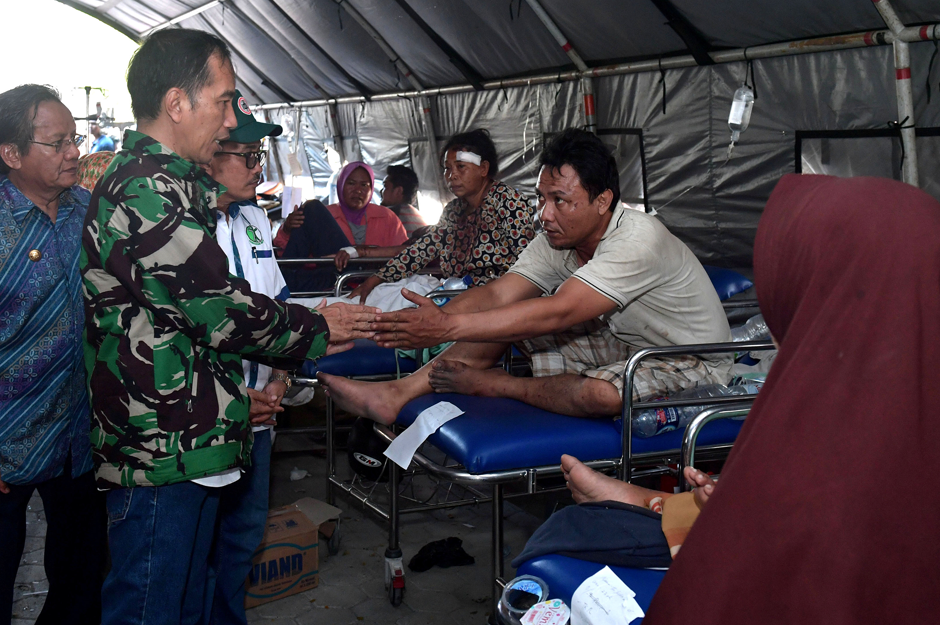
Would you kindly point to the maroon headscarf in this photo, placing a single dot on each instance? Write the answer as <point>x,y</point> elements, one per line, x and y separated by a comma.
<point>353,216</point>
<point>826,512</point>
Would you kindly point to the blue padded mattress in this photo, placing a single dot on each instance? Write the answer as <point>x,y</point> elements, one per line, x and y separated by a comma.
<point>366,358</point>
<point>498,434</point>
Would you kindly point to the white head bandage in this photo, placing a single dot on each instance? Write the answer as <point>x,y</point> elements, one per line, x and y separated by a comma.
<point>469,157</point>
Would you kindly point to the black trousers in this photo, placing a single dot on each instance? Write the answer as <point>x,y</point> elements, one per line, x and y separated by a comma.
<point>75,551</point>
<point>319,236</point>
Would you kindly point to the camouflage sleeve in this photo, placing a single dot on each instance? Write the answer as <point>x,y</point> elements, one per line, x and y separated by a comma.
<point>159,245</point>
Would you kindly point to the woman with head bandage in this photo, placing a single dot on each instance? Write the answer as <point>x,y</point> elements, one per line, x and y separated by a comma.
<point>481,232</point>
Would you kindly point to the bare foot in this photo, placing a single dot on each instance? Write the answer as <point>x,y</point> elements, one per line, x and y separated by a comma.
<point>703,485</point>
<point>453,376</point>
<point>587,485</point>
<point>379,401</point>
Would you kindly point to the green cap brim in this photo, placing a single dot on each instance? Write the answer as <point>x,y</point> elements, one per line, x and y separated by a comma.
<point>249,133</point>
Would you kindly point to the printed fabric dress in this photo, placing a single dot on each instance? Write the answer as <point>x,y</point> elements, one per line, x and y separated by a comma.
<point>483,244</point>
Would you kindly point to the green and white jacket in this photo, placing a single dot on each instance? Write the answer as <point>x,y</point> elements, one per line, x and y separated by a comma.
<point>166,325</point>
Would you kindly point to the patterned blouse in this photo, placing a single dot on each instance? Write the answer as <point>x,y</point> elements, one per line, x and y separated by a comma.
<point>91,168</point>
<point>483,244</point>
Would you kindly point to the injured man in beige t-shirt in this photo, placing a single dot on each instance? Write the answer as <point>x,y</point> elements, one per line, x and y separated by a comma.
<point>663,296</point>
<point>598,284</point>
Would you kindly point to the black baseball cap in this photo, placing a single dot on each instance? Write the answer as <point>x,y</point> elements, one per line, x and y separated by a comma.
<point>249,129</point>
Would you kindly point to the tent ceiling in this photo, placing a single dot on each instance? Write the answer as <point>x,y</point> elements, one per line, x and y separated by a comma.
<point>497,38</point>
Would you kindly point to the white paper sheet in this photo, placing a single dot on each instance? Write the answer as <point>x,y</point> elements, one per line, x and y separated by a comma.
<point>291,198</point>
<point>402,449</point>
<point>603,599</point>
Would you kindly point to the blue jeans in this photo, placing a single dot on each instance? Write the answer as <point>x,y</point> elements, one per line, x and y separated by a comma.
<point>160,538</point>
<point>243,515</point>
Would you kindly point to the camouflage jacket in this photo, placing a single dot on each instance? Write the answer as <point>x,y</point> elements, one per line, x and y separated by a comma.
<point>166,325</point>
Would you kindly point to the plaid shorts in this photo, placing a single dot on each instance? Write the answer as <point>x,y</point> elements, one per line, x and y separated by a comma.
<point>590,349</point>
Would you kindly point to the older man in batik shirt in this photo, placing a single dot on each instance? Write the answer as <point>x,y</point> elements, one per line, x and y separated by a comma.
<point>44,411</point>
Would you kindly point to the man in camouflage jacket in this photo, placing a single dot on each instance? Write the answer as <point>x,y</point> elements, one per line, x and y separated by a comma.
<point>166,326</point>
<point>169,324</point>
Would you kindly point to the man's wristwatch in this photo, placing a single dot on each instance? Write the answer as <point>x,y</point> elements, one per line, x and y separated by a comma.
<point>281,377</point>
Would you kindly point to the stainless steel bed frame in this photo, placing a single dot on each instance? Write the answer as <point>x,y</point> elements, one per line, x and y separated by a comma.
<point>625,467</point>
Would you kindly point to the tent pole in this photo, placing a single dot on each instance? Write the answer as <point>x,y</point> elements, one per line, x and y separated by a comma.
<point>423,100</point>
<point>902,69</point>
<point>806,46</point>
<point>337,135</point>
<point>296,139</point>
<point>587,82</point>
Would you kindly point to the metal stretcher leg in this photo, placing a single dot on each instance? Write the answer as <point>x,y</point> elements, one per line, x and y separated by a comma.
<point>394,569</point>
<point>497,543</point>
<point>330,451</point>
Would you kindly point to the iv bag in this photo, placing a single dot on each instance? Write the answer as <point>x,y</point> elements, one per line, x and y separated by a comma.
<point>740,115</point>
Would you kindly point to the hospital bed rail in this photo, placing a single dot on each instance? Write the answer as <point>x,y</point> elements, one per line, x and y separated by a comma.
<point>353,262</point>
<point>692,431</point>
<point>629,373</point>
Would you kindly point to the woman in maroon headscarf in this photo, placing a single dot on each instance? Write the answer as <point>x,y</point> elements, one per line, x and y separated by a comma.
<point>823,513</point>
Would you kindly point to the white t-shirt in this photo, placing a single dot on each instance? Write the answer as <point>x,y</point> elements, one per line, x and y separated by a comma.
<point>663,295</point>
<point>245,237</point>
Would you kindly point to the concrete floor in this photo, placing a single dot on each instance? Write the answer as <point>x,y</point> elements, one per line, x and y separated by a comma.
<point>352,586</point>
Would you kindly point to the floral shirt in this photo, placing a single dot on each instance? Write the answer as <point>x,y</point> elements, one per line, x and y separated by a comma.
<point>483,244</point>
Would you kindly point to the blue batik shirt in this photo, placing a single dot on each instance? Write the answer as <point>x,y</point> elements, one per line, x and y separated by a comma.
<point>44,407</point>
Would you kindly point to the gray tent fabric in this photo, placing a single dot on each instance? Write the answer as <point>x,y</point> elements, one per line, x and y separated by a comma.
<point>675,161</point>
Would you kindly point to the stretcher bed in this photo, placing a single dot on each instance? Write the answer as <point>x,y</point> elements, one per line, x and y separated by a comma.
<point>501,441</point>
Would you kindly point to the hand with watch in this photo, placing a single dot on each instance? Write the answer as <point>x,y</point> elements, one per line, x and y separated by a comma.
<point>267,403</point>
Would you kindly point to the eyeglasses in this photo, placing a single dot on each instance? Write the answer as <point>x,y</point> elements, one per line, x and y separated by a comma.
<point>63,144</point>
<point>251,158</point>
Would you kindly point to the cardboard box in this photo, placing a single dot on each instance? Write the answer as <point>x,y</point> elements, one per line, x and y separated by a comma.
<point>287,562</point>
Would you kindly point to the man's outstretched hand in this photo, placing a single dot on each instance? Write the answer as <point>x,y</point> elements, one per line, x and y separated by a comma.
<point>347,322</point>
<point>424,326</point>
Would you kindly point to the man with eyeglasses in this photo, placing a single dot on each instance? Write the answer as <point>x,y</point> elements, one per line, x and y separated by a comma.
<point>244,234</point>
<point>44,412</point>
<point>167,326</point>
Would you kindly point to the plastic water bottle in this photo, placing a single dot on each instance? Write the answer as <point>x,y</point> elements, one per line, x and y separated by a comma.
<point>655,421</point>
<point>740,115</point>
<point>753,330</point>
<point>454,283</point>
